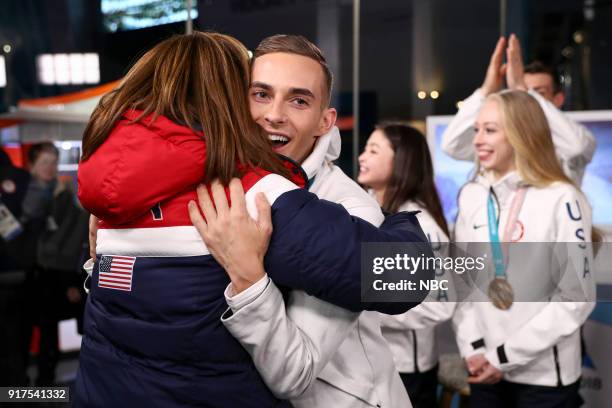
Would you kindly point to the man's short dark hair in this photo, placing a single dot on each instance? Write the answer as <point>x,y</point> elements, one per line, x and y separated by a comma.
<point>537,67</point>
<point>296,44</point>
<point>38,148</point>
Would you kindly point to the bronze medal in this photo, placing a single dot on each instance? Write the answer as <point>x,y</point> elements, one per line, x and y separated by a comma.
<point>501,293</point>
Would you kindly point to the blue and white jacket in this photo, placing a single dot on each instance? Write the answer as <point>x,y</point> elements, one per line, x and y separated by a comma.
<point>153,330</point>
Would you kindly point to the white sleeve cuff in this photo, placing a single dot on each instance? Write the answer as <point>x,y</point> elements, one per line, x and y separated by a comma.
<point>240,300</point>
<point>478,95</point>
<point>473,103</point>
<point>536,95</point>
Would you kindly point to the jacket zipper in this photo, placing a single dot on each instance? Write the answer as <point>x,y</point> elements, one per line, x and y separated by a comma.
<point>494,194</point>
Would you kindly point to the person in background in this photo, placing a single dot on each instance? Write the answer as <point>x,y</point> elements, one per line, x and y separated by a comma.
<point>57,234</point>
<point>13,327</point>
<point>397,168</point>
<point>574,144</point>
<point>523,353</point>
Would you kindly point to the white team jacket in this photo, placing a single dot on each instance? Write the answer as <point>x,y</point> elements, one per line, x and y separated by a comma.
<point>574,144</point>
<point>411,335</point>
<point>534,343</point>
<point>309,351</point>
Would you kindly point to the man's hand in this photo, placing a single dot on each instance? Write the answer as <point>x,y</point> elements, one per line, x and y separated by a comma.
<point>93,234</point>
<point>236,241</point>
<point>516,68</point>
<point>496,71</point>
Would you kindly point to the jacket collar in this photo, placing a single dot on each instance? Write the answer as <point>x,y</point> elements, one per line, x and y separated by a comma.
<point>326,149</point>
<point>505,187</point>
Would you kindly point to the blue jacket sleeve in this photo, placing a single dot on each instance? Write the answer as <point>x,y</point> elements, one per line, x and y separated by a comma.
<point>316,247</point>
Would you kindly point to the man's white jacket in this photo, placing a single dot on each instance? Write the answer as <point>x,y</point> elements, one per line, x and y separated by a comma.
<point>309,351</point>
<point>411,335</point>
<point>574,144</point>
<point>534,343</point>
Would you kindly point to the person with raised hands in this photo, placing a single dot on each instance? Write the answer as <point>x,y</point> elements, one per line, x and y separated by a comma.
<point>574,144</point>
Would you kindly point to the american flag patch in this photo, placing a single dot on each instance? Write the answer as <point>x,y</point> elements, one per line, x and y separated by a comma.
<point>115,272</point>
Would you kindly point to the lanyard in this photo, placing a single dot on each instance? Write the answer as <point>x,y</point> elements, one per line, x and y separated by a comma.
<point>493,221</point>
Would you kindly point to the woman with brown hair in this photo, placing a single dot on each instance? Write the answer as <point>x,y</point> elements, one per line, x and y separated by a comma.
<point>153,331</point>
<point>520,334</point>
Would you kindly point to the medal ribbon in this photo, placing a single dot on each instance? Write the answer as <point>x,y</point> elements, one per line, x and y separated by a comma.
<point>499,258</point>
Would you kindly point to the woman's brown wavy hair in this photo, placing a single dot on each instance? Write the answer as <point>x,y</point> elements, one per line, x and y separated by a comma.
<point>200,80</point>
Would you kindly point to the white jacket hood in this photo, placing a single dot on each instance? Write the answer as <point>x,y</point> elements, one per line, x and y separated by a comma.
<point>327,148</point>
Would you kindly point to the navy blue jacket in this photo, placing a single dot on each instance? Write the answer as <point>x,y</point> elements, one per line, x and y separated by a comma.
<point>153,334</point>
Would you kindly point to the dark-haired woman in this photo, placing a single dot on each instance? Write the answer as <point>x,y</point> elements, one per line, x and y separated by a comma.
<point>397,167</point>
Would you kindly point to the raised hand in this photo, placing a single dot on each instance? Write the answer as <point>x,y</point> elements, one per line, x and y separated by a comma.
<point>238,242</point>
<point>516,68</point>
<point>496,71</point>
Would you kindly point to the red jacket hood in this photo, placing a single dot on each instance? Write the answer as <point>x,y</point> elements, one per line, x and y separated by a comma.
<point>146,163</point>
<point>139,165</point>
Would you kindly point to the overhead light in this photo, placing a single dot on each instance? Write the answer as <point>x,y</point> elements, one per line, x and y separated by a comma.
<point>91,63</point>
<point>578,37</point>
<point>422,94</point>
<point>459,104</point>
<point>7,48</point>
<point>77,68</point>
<point>2,72</point>
<point>64,69</point>
<point>434,94</point>
<point>61,65</point>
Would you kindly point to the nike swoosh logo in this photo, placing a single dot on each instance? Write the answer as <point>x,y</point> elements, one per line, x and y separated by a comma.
<point>479,226</point>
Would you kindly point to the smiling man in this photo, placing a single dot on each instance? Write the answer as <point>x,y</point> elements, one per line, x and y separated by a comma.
<point>292,103</point>
<point>307,350</point>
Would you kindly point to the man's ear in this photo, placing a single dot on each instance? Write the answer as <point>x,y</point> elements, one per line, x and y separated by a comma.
<point>559,99</point>
<point>328,120</point>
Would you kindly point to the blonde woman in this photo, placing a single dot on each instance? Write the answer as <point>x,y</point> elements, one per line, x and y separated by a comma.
<point>523,354</point>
